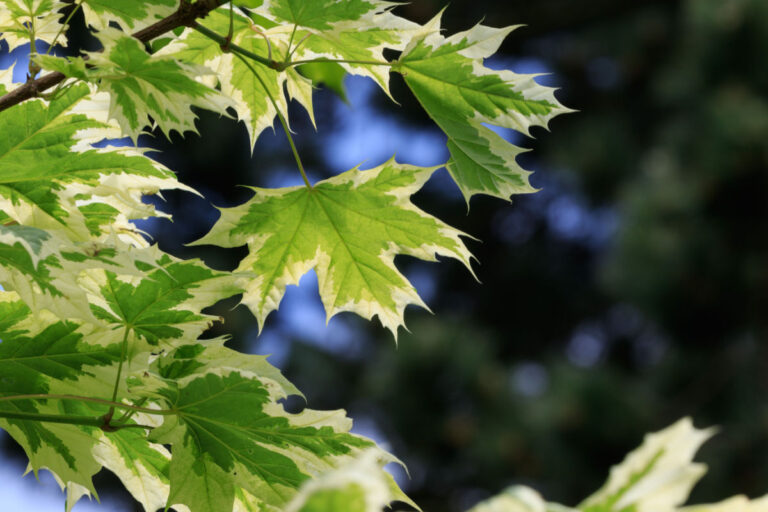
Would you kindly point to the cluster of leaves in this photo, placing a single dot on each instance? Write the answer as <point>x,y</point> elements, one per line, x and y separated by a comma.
<point>101,359</point>
<point>103,365</point>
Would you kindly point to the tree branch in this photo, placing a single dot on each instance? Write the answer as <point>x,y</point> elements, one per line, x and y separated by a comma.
<point>184,16</point>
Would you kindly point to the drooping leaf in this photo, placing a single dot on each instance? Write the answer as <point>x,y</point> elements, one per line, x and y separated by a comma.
<point>459,93</point>
<point>19,19</point>
<point>656,477</point>
<point>356,30</point>
<point>75,188</point>
<point>249,87</point>
<point>141,85</point>
<point>349,228</point>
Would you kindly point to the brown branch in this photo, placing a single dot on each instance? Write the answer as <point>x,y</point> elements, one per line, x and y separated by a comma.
<point>184,16</point>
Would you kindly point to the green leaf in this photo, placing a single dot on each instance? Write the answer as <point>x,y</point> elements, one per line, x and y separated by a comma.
<point>349,228</point>
<point>130,15</point>
<point>76,188</point>
<point>39,356</point>
<point>657,476</point>
<point>19,19</point>
<point>163,306</point>
<point>328,73</point>
<point>459,93</point>
<point>230,435</point>
<point>251,94</point>
<point>141,85</point>
<point>46,270</point>
<point>355,30</point>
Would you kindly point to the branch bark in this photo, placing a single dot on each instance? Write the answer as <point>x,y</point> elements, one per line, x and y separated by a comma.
<point>184,16</point>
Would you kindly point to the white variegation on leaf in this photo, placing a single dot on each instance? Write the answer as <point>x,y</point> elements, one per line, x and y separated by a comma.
<point>356,31</point>
<point>656,477</point>
<point>21,19</point>
<point>84,191</point>
<point>249,87</point>
<point>460,94</point>
<point>349,228</point>
<point>359,486</point>
<point>130,15</point>
<point>233,444</point>
<point>141,85</point>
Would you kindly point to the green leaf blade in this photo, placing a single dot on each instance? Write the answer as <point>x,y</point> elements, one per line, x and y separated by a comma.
<point>348,228</point>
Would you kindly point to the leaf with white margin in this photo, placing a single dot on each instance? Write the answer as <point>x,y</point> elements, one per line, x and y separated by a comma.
<point>141,85</point>
<point>163,306</point>
<point>362,485</point>
<point>40,355</point>
<point>19,19</point>
<point>46,269</point>
<point>656,477</point>
<point>229,435</point>
<point>459,93</point>
<point>141,466</point>
<point>250,93</point>
<point>517,499</point>
<point>130,15</point>
<point>200,358</point>
<point>733,504</point>
<point>53,178</point>
<point>349,228</point>
<point>355,30</point>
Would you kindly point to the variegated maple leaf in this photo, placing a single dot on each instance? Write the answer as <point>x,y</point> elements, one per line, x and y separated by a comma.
<point>349,228</point>
<point>253,87</point>
<point>141,85</point>
<point>356,31</point>
<point>81,190</point>
<point>130,15</point>
<point>460,94</point>
<point>656,477</point>
<point>23,20</point>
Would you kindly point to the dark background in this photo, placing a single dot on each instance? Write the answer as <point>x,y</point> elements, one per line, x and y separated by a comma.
<point>630,291</point>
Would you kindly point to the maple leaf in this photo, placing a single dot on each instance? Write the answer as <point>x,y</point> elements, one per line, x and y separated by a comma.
<point>46,269</point>
<point>141,85</point>
<point>356,30</point>
<point>657,476</point>
<point>162,306</point>
<point>130,15</point>
<point>229,436</point>
<point>39,356</point>
<point>251,87</point>
<point>81,190</point>
<point>459,93</point>
<point>21,19</point>
<point>349,228</point>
